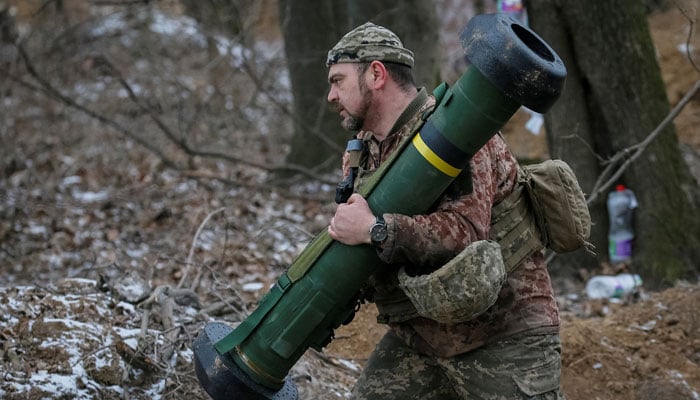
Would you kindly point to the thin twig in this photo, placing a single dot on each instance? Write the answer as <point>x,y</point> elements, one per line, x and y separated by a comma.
<point>188,263</point>
<point>691,24</point>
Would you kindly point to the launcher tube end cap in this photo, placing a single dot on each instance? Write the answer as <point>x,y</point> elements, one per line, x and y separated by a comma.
<point>222,379</point>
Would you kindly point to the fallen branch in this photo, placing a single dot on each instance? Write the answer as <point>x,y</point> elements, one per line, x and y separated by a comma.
<point>162,298</point>
<point>226,306</point>
<point>136,359</point>
<point>332,361</point>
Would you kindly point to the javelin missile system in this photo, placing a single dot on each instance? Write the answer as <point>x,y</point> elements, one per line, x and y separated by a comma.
<point>510,66</point>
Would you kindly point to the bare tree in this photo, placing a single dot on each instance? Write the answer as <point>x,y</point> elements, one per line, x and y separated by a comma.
<point>614,98</point>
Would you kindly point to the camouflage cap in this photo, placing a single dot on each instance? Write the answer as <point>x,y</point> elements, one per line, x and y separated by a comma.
<point>460,290</point>
<point>369,42</point>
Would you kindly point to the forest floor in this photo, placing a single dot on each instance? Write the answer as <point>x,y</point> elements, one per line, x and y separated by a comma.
<point>111,263</point>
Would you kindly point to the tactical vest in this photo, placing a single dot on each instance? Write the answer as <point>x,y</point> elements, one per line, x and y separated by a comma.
<point>545,209</point>
<point>513,227</point>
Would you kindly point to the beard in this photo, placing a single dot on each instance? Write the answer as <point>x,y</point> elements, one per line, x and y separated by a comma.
<point>354,121</point>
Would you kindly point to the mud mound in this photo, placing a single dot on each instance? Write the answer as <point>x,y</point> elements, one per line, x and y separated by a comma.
<point>648,350</point>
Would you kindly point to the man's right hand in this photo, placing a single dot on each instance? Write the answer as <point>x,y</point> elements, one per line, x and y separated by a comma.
<point>352,220</point>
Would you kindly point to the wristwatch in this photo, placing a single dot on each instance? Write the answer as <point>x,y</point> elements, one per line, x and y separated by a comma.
<point>378,232</point>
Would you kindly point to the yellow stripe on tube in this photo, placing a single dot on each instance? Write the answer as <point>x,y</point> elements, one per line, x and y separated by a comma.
<point>433,158</point>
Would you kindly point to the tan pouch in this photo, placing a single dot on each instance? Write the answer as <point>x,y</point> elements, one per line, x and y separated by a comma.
<point>559,205</point>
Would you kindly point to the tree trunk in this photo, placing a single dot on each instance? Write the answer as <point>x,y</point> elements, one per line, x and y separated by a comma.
<point>614,98</point>
<point>571,139</point>
<point>310,29</point>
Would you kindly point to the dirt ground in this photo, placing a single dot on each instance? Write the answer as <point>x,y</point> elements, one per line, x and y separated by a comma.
<point>638,350</point>
<point>110,263</point>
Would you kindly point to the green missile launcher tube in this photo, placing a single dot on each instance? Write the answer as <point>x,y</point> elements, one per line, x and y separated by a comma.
<point>510,66</point>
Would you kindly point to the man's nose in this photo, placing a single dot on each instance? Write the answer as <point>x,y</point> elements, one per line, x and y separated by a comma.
<point>332,95</point>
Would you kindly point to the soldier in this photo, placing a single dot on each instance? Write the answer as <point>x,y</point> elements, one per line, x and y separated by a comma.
<point>510,347</point>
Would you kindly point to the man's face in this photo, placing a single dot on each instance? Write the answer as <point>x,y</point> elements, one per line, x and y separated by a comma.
<point>349,95</point>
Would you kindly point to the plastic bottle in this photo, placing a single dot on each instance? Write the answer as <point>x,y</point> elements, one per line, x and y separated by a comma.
<point>514,8</point>
<point>621,204</point>
<point>609,287</point>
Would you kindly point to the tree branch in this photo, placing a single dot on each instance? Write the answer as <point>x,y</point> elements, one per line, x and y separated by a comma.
<point>48,89</point>
<point>258,83</point>
<point>602,185</point>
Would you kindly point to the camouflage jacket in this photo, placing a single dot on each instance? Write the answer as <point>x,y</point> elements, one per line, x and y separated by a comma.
<point>423,243</point>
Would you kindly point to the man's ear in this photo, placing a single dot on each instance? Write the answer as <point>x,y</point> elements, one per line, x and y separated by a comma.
<point>377,74</point>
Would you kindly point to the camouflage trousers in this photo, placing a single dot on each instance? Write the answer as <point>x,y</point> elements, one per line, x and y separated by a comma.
<point>519,367</point>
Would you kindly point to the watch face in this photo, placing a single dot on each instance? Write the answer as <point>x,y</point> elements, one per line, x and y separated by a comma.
<point>378,232</point>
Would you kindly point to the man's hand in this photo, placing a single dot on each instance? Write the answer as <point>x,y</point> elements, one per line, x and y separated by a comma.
<point>351,222</point>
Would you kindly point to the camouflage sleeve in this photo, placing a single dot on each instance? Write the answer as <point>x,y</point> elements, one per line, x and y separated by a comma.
<point>428,241</point>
